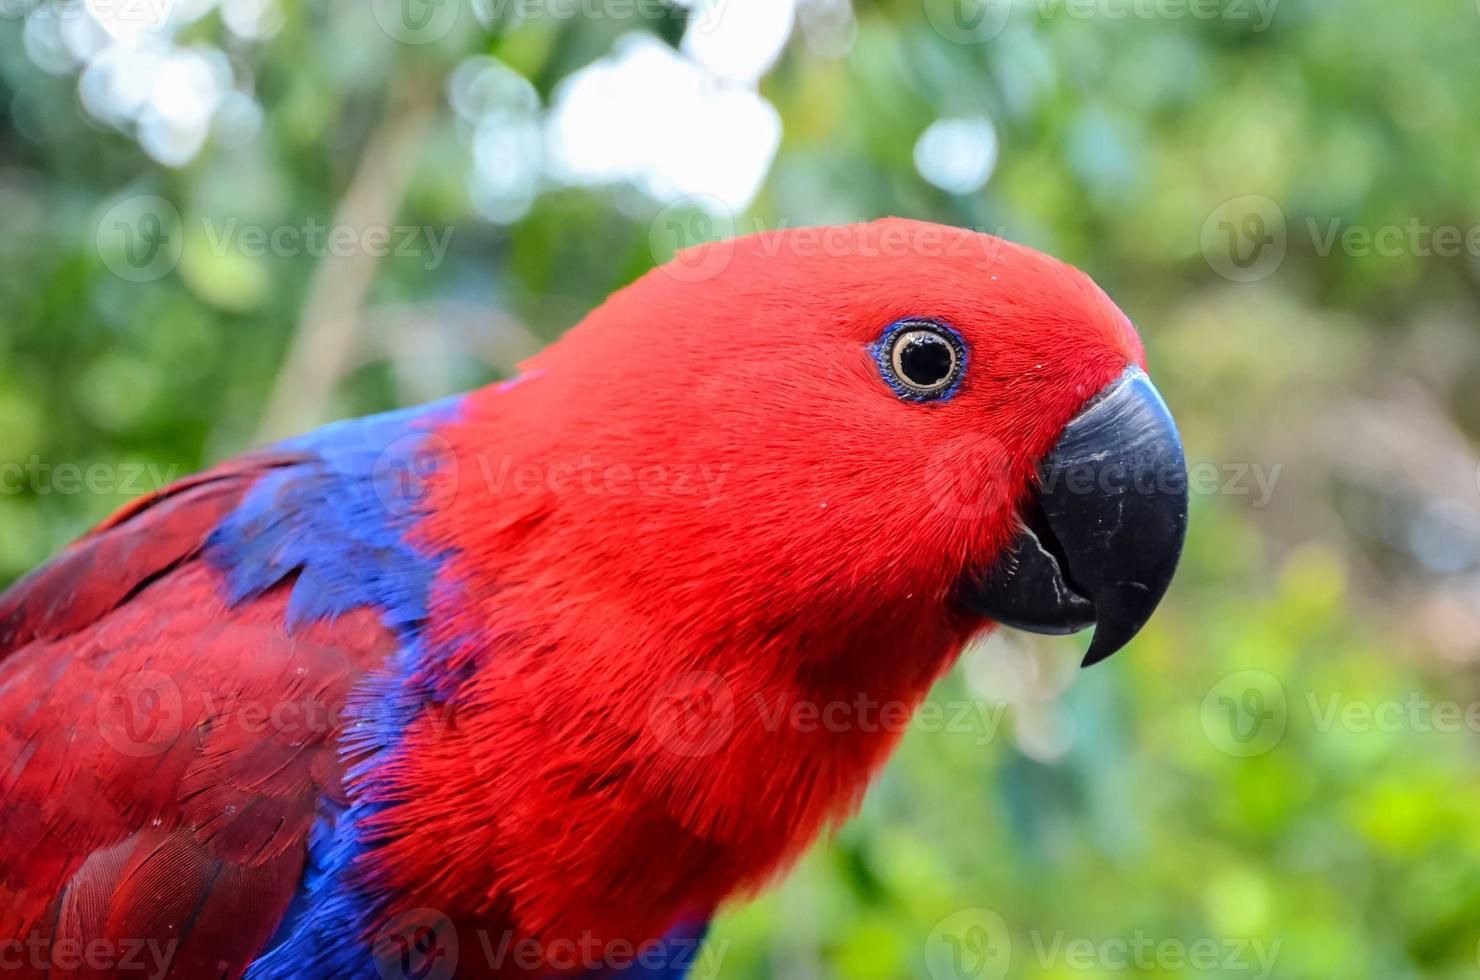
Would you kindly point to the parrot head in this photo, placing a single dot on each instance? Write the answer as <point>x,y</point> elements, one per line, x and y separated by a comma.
<point>894,419</point>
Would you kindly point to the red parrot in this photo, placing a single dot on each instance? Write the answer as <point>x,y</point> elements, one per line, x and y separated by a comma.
<point>480,688</point>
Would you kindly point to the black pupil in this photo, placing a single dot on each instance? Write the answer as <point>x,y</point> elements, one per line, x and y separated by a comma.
<point>925,359</point>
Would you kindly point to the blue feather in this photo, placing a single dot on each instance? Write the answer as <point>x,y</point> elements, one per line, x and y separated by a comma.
<point>337,525</point>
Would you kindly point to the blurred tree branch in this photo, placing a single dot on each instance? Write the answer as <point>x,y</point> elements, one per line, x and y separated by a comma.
<point>319,353</point>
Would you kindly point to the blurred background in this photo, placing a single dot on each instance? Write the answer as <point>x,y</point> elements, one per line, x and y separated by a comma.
<point>229,220</point>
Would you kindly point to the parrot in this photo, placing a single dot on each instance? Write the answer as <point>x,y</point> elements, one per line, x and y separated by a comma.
<point>480,687</point>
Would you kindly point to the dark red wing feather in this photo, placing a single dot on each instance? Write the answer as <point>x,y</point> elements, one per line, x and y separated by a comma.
<point>163,755</point>
<point>143,539</point>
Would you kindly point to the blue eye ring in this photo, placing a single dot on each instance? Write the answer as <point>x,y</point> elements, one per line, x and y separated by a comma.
<point>921,359</point>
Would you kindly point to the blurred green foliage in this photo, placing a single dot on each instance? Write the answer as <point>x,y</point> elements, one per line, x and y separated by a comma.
<point>1151,797</point>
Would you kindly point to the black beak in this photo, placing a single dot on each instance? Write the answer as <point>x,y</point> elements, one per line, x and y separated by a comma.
<point>1102,535</point>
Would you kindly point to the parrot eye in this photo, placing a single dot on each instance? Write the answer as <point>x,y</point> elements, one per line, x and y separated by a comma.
<point>921,360</point>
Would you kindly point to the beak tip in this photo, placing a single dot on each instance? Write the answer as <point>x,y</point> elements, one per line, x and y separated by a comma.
<point>1098,651</point>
